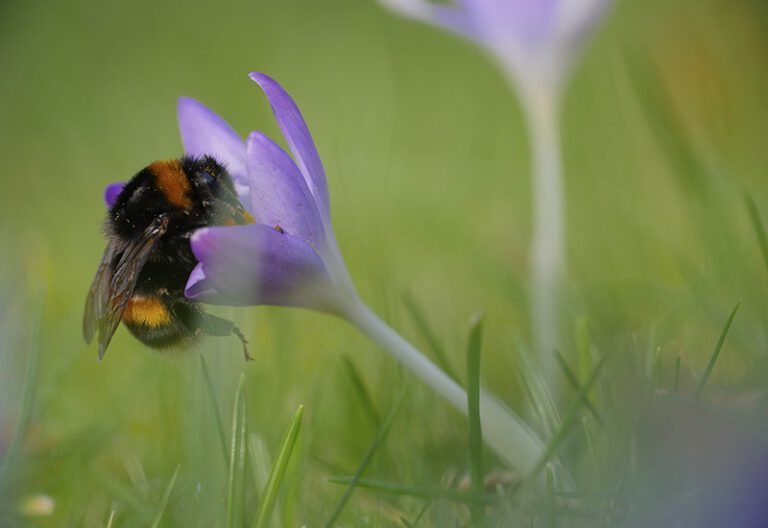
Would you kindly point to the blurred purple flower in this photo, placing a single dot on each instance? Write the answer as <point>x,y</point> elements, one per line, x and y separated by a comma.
<point>534,40</point>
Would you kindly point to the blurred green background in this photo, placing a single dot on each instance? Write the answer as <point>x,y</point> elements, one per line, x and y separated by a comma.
<point>664,128</point>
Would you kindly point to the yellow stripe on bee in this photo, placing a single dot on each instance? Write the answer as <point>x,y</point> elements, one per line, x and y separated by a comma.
<point>147,311</point>
<point>172,182</point>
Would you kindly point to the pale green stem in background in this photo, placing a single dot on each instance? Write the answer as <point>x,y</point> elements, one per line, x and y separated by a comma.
<point>547,258</point>
<point>503,431</point>
<point>539,93</point>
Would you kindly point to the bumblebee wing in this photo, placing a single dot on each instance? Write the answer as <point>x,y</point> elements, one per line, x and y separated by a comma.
<point>124,277</point>
<point>96,302</point>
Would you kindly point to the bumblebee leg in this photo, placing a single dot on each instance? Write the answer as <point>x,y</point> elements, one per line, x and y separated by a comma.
<point>216,326</point>
<point>236,332</point>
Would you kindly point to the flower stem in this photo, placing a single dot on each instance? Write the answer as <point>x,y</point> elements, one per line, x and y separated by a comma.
<point>547,254</point>
<point>503,431</point>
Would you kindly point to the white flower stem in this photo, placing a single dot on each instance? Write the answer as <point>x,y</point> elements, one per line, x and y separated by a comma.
<point>547,259</point>
<point>503,431</point>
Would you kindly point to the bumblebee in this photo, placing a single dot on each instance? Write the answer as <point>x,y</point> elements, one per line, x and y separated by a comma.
<point>148,258</point>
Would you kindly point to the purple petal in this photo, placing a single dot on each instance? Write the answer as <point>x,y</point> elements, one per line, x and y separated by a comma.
<point>452,18</point>
<point>112,191</point>
<point>523,22</point>
<point>297,136</point>
<point>203,132</point>
<point>200,288</point>
<point>255,264</point>
<point>279,194</point>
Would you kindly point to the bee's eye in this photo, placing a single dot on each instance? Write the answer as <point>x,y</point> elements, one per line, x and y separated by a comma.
<point>208,178</point>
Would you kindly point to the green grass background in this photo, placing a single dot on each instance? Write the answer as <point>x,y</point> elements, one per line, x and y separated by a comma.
<point>428,167</point>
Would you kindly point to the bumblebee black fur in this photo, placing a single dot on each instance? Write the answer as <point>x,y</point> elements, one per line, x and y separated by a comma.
<point>148,259</point>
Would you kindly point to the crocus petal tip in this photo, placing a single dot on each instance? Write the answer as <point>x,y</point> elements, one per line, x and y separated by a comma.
<point>269,85</point>
<point>297,135</point>
<point>196,283</point>
<point>261,78</point>
<point>184,102</point>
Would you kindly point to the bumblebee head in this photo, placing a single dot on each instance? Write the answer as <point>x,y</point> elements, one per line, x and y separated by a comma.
<point>208,177</point>
<point>215,192</point>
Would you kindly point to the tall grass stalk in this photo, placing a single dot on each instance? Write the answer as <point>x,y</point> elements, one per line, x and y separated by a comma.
<point>716,352</point>
<point>164,502</point>
<point>473,410</point>
<point>236,482</point>
<point>277,472</point>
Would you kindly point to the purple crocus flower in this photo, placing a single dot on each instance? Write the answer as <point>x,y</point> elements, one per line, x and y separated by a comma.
<point>290,257</point>
<point>534,40</point>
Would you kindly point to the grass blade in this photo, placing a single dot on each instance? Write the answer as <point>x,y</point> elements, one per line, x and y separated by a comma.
<point>277,472</point>
<point>716,352</point>
<point>216,411</point>
<point>363,395</point>
<point>569,421</point>
<point>551,499</point>
<point>236,481</point>
<point>757,223</point>
<point>377,441</point>
<point>571,377</point>
<point>166,498</point>
<point>474,346</point>
<point>420,320</point>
